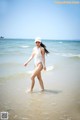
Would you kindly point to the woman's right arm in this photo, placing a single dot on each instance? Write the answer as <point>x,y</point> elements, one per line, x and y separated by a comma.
<point>30,58</point>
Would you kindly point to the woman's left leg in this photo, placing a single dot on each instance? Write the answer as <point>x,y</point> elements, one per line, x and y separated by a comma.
<point>40,80</point>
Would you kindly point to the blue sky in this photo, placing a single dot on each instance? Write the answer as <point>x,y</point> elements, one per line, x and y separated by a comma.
<point>39,18</point>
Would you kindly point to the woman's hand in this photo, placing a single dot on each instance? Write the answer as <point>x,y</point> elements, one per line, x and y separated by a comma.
<point>44,67</point>
<point>30,58</point>
<point>25,64</point>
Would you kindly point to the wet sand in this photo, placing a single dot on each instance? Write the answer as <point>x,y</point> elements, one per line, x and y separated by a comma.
<point>59,101</point>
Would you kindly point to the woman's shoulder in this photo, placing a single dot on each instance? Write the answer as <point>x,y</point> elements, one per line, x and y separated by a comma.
<point>42,48</point>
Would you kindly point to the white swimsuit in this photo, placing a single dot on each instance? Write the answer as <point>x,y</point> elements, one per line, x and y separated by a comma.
<point>38,56</point>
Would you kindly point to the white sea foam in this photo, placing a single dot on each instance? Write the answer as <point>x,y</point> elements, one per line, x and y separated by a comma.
<point>25,46</point>
<point>71,55</point>
<point>68,55</point>
<point>60,42</point>
<point>48,68</point>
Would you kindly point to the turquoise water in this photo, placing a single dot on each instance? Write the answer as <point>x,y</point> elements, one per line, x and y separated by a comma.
<point>14,52</point>
<point>24,46</point>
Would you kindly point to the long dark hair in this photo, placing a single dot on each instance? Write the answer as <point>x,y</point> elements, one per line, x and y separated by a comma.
<point>46,51</point>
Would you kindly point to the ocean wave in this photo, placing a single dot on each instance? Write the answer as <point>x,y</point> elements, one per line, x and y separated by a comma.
<point>24,46</point>
<point>71,55</point>
<point>60,42</point>
<point>48,68</point>
<point>12,53</point>
<point>68,55</point>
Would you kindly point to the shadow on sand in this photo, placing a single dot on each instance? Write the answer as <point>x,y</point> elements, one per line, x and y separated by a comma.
<point>52,91</point>
<point>47,91</point>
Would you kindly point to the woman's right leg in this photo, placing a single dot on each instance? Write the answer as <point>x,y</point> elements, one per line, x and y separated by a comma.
<point>34,74</point>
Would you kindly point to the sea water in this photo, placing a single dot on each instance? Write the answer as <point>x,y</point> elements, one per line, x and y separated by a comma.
<point>15,52</point>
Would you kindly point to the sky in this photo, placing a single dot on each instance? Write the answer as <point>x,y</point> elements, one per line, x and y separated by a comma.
<point>39,18</point>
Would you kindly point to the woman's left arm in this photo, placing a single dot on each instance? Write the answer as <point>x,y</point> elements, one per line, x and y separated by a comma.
<point>43,58</point>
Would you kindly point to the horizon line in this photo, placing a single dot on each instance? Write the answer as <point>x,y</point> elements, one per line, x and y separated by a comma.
<point>41,38</point>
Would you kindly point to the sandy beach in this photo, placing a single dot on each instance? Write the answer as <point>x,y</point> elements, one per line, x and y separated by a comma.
<point>59,101</point>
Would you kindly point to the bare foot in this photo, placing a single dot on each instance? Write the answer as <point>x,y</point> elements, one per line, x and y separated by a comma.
<point>28,91</point>
<point>42,90</point>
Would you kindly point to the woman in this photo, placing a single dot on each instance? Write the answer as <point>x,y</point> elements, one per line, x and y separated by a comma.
<point>39,60</point>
